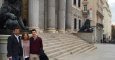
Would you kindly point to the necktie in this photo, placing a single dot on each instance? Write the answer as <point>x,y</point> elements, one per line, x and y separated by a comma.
<point>17,38</point>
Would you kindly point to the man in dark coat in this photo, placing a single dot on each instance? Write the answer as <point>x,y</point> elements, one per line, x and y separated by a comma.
<point>14,46</point>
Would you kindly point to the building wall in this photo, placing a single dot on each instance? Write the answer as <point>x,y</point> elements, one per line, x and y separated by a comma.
<point>77,14</point>
<point>92,7</point>
<point>100,16</point>
<point>107,21</point>
<point>95,8</point>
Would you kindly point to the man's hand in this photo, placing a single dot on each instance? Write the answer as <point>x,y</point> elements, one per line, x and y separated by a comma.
<point>9,58</point>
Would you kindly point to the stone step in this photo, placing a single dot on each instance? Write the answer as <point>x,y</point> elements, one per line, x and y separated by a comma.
<point>92,48</point>
<point>85,49</point>
<point>62,47</point>
<point>54,43</point>
<point>68,50</point>
<point>78,50</point>
<point>59,45</point>
<point>58,40</point>
<point>50,44</point>
<point>60,35</point>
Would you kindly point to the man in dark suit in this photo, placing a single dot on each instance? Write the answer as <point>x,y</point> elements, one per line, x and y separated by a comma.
<point>14,47</point>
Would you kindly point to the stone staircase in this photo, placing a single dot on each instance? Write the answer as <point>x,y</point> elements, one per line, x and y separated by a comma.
<point>57,45</point>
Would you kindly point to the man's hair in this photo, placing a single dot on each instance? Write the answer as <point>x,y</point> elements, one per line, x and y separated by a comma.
<point>33,30</point>
<point>16,27</point>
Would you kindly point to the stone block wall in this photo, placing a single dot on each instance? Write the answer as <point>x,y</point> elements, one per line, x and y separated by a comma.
<point>87,36</point>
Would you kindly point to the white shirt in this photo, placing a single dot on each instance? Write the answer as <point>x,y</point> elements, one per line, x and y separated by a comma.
<point>17,37</point>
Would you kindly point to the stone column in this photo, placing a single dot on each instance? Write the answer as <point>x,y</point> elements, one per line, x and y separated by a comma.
<point>34,14</point>
<point>41,15</point>
<point>45,14</point>
<point>69,15</point>
<point>51,15</point>
<point>62,15</point>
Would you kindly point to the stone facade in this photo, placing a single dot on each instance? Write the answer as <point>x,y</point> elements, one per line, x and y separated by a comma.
<point>100,16</point>
<point>107,21</point>
<point>63,15</point>
<point>96,15</point>
<point>53,15</point>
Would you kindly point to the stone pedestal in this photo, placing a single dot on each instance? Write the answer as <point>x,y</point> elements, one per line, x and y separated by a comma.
<point>3,47</point>
<point>87,36</point>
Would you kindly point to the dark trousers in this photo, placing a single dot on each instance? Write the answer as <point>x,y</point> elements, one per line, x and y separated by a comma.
<point>15,58</point>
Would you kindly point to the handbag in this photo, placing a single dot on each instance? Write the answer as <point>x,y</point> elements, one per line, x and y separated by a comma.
<point>42,54</point>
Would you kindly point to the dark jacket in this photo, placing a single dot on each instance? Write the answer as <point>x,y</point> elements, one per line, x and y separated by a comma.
<point>14,48</point>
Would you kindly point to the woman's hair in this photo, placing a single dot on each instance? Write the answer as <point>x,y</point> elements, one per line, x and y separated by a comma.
<point>23,34</point>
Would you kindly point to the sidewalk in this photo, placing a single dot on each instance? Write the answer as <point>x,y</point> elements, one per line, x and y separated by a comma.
<point>103,52</point>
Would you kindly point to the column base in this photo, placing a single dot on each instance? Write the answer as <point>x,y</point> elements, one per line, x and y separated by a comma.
<point>68,30</point>
<point>74,31</point>
<point>37,28</point>
<point>52,30</point>
<point>41,31</point>
<point>62,31</point>
<point>71,31</point>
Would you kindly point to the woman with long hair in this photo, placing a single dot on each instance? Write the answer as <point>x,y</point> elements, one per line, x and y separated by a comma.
<point>25,45</point>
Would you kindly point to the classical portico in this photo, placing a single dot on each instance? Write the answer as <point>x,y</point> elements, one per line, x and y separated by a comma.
<point>51,15</point>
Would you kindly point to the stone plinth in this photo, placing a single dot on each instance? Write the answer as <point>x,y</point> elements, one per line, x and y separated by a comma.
<point>87,36</point>
<point>3,47</point>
